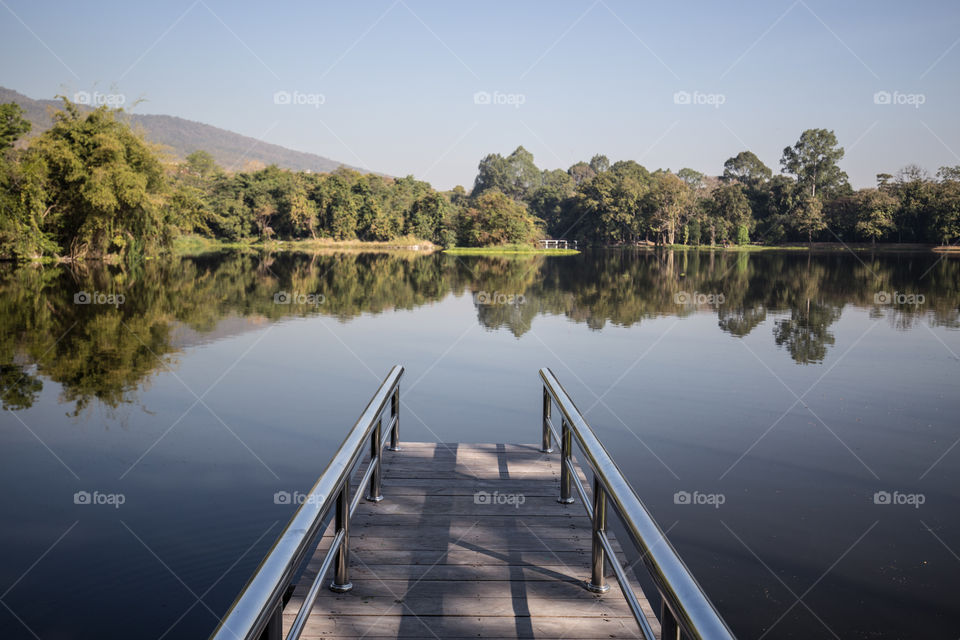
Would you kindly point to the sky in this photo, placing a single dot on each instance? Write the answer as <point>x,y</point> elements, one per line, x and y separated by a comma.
<point>428,88</point>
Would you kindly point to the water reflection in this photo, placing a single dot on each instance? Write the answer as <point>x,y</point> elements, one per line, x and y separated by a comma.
<point>133,320</point>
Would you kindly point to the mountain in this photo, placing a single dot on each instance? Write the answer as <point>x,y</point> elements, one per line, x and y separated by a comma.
<point>231,150</point>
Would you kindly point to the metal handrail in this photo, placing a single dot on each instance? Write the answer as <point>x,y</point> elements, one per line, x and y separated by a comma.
<point>686,612</point>
<point>256,614</point>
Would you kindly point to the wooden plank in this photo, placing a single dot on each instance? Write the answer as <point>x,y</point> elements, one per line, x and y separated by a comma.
<point>453,604</point>
<point>407,626</point>
<point>407,520</point>
<point>465,588</point>
<point>480,503</point>
<point>575,560</point>
<point>456,573</point>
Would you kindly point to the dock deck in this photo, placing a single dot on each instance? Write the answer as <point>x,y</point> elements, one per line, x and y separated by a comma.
<point>469,541</point>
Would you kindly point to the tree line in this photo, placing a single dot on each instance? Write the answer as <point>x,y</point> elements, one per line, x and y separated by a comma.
<point>90,186</point>
<point>599,203</point>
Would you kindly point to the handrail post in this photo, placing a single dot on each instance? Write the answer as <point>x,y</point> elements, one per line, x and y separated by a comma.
<point>274,628</point>
<point>669,629</point>
<point>565,461</point>
<point>597,583</point>
<point>395,416</point>
<point>546,445</point>
<point>341,579</point>
<point>376,444</point>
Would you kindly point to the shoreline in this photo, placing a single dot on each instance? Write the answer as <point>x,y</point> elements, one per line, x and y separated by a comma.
<point>197,245</point>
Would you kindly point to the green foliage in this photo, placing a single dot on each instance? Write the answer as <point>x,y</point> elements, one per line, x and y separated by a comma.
<point>495,219</point>
<point>743,234</point>
<point>609,207</point>
<point>91,187</point>
<point>807,216</point>
<point>12,124</point>
<point>515,176</point>
<point>813,160</point>
<point>671,204</point>
<point>875,211</point>
<point>731,214</point>
<point>581,172</point>
<point>747,169</point>
<point>599,163</point>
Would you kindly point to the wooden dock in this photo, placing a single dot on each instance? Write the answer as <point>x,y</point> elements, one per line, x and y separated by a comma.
<point>469,541</point>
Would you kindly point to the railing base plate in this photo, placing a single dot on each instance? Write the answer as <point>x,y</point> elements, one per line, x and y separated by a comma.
<point>598,589</point>
<point>341,588</point>
<point>374,498</point>
<point>565,500</point>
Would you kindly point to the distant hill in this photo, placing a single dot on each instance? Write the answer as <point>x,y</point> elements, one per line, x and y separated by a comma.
<point>231,150</point>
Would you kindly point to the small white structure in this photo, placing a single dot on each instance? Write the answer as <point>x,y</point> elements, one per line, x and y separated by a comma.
<point>557,244</point>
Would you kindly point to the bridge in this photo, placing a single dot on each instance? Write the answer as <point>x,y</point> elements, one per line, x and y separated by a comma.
<point>456,540</point>
<point>557,244</point>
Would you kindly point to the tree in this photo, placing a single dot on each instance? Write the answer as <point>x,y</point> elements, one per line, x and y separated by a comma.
<point>874,215</point>
<point>694,179</point>
<point>807,216</point>
<point>747,169</point>
<point>813,160</point>
<point>104,185</point>
<point>581,172</point>
<point>201,164</point>
<point>609,208</point>
<point>945,223</point>
<point>599,163</point>
<point>516,175</point>
<point>548,200</point>
<point>915,192</point>
<point>426,217</point>
<point>493,174</point>
<point>495,219</point>
<point>946,174</point>
<point>731,213</point>
<point>670,204</point>
<point>12,124</point>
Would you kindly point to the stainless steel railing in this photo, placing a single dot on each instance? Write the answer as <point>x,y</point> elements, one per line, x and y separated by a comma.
<point>256,614</point>
<point>686,612</point>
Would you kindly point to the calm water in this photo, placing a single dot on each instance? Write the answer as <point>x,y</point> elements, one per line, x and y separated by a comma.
<point>782,385</point>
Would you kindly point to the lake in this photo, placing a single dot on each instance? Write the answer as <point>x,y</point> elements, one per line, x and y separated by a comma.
<point>790,419</point>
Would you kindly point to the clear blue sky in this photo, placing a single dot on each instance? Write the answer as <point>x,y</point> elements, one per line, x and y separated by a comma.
<point>398,78</point>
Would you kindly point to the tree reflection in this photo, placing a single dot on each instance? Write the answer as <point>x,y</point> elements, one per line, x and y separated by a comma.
<point>105,352</point>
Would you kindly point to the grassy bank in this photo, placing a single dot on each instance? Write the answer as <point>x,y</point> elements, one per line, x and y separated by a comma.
<point>192,245</point>
<point>508,249</point>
